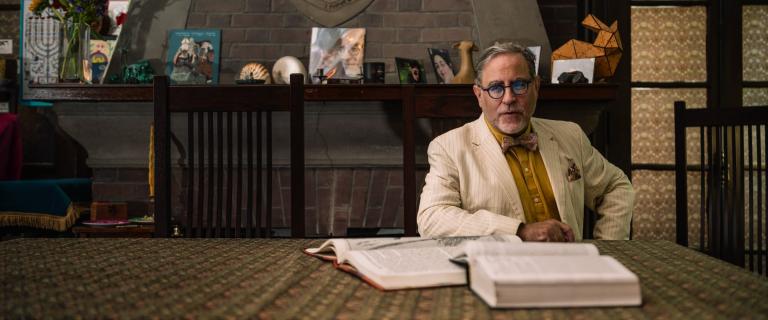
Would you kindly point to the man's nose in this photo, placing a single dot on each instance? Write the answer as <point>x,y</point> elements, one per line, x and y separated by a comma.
<point>509,96</point>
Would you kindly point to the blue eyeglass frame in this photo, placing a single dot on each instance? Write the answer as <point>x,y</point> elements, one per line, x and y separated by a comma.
<point>517,86</point>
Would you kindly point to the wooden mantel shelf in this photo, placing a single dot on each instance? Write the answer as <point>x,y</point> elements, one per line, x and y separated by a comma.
<point>372,92</point>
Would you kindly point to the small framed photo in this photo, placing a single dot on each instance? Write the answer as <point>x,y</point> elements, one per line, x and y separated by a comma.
<point>441,61</point>
<point>573,71</point>
<point>537,54</point>
<point>410,71</point>
<point>336,53</point>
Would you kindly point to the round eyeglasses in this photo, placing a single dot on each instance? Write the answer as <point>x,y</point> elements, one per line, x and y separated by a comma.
<point>519,87</point>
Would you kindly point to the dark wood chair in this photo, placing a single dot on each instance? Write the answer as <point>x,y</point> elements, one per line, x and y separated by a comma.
<point>227,160</point>
<point>725,154</point>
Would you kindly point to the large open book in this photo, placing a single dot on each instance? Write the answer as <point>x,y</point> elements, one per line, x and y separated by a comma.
<point>548,275</point>
<point>400,263</point>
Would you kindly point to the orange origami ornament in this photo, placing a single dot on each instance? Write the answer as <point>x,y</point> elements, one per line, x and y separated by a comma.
<point>606,49</point>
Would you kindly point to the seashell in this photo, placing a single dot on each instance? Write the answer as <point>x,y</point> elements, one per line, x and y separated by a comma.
<point>285,66</point>
<point>255,71</point>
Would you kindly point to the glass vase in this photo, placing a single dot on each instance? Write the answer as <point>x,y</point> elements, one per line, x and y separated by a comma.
<point>73,59</point>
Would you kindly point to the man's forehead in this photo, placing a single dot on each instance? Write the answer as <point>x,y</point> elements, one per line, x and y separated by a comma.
<point>505,64</point>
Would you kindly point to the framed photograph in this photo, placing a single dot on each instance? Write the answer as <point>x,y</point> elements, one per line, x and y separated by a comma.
<point>537,54</point>
<point>99,57</point>
<point>193,56</point>
<point>410,71</point>
<point>336,53</point>
<point>441,61</point>
<point>39,47</point>
<point>6,46</point>
<point>117,12</point>
<point>573,71</point>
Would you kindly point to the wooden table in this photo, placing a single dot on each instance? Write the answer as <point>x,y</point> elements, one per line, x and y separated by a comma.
<point>272,278</point>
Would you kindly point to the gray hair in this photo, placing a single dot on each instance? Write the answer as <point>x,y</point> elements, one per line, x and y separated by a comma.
<point>503,48</point>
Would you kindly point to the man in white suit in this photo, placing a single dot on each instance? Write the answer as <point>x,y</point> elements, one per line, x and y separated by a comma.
<point>509,173</point>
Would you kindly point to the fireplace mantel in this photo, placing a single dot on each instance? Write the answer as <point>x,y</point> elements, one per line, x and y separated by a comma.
<point>365,92</point>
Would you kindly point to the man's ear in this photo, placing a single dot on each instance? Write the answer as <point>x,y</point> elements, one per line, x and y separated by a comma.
<point>536,83</point>
<point>478,93</point>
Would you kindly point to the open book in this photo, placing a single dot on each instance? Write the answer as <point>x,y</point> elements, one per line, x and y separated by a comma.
<point>548,275</point>
<point>401,263</point>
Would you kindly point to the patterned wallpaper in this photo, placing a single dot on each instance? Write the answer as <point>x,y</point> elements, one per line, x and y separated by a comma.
<point>669,44</point>
<point>755,43</point>
<point>755,96</point>
<point>653,123</point>
<point>654,215</point>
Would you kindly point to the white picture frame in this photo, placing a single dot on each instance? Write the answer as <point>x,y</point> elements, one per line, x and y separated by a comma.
<point>536,50</point>
<point>6,46</point>
<point>585,66</point>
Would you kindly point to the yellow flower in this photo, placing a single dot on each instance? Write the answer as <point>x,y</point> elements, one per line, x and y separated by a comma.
<point>37,3</point>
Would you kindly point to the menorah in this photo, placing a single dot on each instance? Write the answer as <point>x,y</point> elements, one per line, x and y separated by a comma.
<point>42,37</point>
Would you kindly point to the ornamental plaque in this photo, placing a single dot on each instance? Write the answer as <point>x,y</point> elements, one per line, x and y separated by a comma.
<point>331,13</point>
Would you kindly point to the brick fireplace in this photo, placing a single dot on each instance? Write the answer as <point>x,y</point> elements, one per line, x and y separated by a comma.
<point>354,151</point>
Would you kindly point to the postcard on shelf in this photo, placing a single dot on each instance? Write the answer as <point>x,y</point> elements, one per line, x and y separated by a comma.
<point>401,263</point>
<point>441,61</point>
<point>193,56</point>
<point>98,58</point>
<point>410,71</point>
<point>530,274</point>
<point>573,71</point>
<point>6,46</point>
<point>336,53</point>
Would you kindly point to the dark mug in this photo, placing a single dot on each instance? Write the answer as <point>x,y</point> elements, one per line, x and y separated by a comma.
<point>373,72</point>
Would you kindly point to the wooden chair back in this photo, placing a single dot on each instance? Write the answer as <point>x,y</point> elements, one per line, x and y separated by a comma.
<point>728,164</point>
<point>227,167</point>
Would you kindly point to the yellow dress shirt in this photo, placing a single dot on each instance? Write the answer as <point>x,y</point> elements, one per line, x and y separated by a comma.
<point>531,180</point>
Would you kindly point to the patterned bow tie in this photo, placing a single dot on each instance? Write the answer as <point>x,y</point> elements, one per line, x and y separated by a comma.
<point>528,140</point>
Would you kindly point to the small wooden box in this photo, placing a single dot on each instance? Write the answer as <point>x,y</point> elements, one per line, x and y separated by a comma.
<point>109,211</point>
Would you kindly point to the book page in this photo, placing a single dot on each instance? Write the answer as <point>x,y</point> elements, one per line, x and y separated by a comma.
<point>405,261</point>
<point>478,248</point>
<point>340,247</point>
<point>417,256</point>
<point>546,269</point>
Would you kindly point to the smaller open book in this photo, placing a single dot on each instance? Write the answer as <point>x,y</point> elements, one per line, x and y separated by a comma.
<point>401,263</point>
<point>502,270</point>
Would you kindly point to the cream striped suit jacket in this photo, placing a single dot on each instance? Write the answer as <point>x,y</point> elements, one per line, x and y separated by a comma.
<point>470,190</point>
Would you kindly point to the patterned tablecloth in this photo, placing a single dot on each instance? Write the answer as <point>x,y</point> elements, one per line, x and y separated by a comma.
<point>265,278</point>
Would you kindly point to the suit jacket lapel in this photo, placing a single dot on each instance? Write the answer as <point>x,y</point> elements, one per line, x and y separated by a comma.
<point>488,149</point>
<point>549,148</point>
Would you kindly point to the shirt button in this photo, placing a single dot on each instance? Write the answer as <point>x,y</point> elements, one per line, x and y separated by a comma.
<point>526,169</point>
<point>536,199</point>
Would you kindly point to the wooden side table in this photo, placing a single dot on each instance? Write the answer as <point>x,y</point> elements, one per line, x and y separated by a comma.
<point>123,231</point>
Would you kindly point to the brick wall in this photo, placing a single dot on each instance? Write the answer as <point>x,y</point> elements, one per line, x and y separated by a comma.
<point>336,198</point>
<point>345,197</point>
<point>265,30</point>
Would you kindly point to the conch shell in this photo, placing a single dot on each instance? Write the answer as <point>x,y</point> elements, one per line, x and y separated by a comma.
<point>255,71</point>
<point>284,67</point>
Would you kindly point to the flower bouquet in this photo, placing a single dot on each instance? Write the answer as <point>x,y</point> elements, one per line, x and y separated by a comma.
<point>79,20</point>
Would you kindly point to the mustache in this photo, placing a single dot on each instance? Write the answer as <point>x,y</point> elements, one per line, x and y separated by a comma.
<point>512,110</point>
